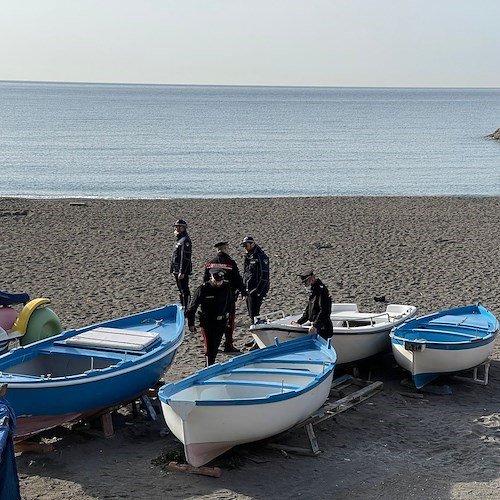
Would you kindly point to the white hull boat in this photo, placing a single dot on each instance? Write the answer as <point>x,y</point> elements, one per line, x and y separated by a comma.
<point>356,335</point>
<point>444,343</point>
<point>248,398</point>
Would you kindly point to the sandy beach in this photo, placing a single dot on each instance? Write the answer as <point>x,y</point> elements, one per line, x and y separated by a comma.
<point>99,259</point>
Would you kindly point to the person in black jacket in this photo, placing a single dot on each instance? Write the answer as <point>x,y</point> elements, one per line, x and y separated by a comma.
<point>180,264</point>
<point>215,299</point>
<point>319,306</point>
<point>224,261</point>
<point>255,276</point>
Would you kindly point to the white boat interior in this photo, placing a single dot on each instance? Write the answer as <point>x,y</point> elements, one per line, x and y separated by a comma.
<point>343,316</point>
<point>256,380</point>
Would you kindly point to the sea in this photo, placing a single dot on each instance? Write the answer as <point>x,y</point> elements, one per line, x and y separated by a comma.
<point>124,141</point>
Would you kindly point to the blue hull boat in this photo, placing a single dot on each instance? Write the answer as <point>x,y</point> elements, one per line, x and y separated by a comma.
<point>444,343</point>
<point>248,398</point>
<point>79,373</point>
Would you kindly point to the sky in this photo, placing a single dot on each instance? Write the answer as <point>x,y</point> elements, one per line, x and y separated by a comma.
<point>333,43</point>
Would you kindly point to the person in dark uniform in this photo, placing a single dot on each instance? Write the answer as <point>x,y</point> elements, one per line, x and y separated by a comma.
<point>255,276</point>
<point>215,299</point>
<point>223,261</point>
<point>319,306</point>
<point>180,264</point>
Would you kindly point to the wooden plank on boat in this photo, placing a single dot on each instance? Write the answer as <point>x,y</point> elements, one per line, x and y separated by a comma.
<point>189,469</point>
<point>113,338</point>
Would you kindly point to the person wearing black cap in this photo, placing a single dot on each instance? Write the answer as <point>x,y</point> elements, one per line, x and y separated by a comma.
<point>180,264</point>
<point>223,261</point>
<point>319,306</point>
<point>255,276</point>
<point>215,299</point>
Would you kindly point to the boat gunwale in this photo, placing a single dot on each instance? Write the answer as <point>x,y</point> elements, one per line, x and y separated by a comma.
<point>381,327</point>
<point>450,344</point>
<point>123,366</point>
<point>83,378</point>
<point>338,331</point>
<point>467,338</point>
<point>423,324</point>
<point>167,391</point>
<point>347,331</point>
<point>268,398</point>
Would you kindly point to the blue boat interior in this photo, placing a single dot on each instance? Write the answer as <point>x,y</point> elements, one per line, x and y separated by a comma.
<point>61,365</point>
<point>92,349</point>
<point>284,378</point>
<point>474,321</point>
<point>470,324</point>
<point>287,368</point>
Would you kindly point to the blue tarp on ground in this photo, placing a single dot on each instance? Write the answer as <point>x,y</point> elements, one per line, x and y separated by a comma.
<point>9,481</point>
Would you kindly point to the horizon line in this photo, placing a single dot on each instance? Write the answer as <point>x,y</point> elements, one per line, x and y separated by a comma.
<point>63,82</point>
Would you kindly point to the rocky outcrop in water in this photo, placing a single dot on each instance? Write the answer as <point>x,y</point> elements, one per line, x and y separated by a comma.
<point>495,135</point>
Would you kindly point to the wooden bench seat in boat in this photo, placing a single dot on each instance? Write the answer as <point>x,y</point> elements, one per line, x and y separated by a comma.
<point>113,338</point>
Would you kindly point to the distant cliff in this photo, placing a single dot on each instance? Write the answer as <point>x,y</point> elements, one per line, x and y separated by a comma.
<point>495,135</point>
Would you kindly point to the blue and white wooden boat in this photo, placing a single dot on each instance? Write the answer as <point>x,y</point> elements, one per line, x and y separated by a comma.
<point>444,343</point>
<point>248,398</point>
<point>356,335</point>
<point>79,373</point>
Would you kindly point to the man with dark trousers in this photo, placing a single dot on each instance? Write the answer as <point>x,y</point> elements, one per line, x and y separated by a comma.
<point>180,264</point>
<point>318,308</point>
<point>255,276</point>
<point>215,299</point>
<point>224,261</point>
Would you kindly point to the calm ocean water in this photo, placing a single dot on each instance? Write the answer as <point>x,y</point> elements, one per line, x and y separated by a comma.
<point>148,141</point>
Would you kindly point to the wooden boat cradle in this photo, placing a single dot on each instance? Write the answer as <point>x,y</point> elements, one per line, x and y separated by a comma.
<point>483,379</point>
<point>367,389</point>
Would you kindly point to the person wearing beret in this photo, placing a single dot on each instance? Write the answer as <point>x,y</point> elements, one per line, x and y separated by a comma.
<point>318,308</point>
<point>255,276</point>
<point>224,261</point>
<point>180,263</point>
<point>215,300</point>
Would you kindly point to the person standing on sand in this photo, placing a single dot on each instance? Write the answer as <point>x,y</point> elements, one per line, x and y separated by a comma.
<point>224,261</point>
<point>318,308</point>
<point>215,298</point>
<point>180,264</point>
<point>255,276</point>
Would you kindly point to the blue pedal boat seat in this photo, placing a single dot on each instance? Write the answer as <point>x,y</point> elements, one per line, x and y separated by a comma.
<point>11,299</point>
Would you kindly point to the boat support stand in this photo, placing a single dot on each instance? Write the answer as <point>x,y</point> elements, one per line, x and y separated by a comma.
<point>106,416</point>
<point>366,390</point>
<point>480,374</point>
